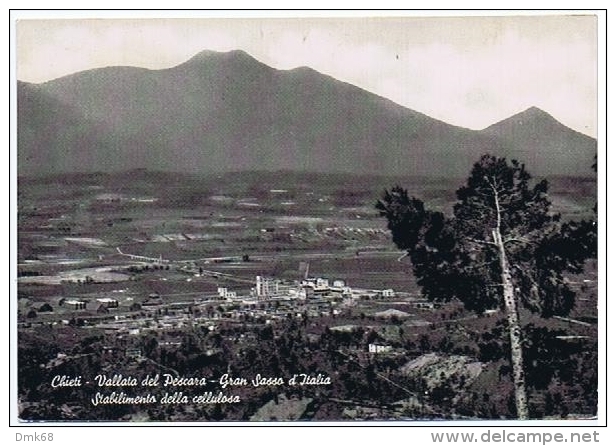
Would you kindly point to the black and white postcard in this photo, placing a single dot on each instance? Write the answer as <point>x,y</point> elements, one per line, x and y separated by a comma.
<point>345,218</point>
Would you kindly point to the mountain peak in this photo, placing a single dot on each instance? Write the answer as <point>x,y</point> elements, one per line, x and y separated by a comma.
<point>534,113</point>
<point>211,56</point>
<point>532,116</point>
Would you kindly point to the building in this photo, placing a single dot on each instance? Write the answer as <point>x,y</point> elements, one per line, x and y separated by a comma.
<point>317,285</point>
<point>108,302</point>
<point>375,348</point>
<point>266,287</point>
<point>226,294</point>
<point>75,304</point>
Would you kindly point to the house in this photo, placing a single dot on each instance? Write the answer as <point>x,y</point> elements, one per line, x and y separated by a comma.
<point>108,302</point>
<point>75,304</point>
<point>226,294</point>
<point>376,348</point>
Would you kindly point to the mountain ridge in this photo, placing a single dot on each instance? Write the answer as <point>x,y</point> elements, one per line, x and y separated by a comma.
<point>221,112</point>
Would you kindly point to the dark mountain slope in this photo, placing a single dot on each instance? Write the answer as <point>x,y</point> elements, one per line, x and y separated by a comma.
<point>227,111</point>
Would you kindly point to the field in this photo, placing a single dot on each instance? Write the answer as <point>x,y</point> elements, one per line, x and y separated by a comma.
<point>162,246</point>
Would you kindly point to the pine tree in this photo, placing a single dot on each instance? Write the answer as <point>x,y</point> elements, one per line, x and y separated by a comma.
<point>503,247</point>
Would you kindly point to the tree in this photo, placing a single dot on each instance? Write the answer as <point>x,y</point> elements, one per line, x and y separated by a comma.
<point>502,247</point>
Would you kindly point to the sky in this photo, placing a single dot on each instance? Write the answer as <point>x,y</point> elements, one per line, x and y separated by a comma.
<point>466,71</point>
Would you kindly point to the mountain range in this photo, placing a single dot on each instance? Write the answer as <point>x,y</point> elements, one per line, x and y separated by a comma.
<point>221,112</point>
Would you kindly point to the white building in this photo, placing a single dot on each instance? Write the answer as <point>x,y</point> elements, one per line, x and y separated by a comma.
<point>317,284</point>
<point>226,294</point>
<point>108,302</point>
<point>266,287</point>
<point>388,293</point>
<point>375,348</point>
<point>75,304</point>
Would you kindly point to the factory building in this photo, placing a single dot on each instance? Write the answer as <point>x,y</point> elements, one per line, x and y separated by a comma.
<point>266,287</point>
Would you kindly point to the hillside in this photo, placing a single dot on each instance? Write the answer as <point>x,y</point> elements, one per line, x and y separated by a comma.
<point>229,112</point>
<point>536,137</point>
